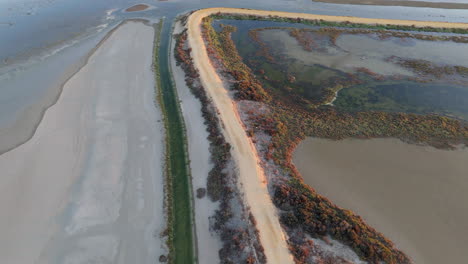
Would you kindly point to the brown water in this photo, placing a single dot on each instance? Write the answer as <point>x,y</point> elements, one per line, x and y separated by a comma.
<point>416,196</point>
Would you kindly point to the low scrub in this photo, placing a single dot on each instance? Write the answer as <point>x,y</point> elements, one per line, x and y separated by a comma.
<point>232,219</point>
<point>287,124</point>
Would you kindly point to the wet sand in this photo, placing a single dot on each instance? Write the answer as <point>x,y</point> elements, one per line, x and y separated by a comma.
<point>414,195</point>
<point>445,5</point>
<point>88,186</point>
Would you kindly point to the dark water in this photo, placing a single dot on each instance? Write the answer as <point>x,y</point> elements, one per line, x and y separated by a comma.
<point>449,100</point>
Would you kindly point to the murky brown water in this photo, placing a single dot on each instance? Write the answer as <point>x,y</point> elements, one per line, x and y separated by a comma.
<point>416,196</point>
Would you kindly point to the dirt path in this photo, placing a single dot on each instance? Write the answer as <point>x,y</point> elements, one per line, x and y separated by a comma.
<point>251,175</point>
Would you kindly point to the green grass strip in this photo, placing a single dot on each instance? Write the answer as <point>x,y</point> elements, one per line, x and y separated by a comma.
<point>179,197</point>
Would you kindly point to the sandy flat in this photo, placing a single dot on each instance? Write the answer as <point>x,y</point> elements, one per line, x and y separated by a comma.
<point>414,195</point>
<point>87,187</point>
<point>251,175</point>
<point>208,243</point>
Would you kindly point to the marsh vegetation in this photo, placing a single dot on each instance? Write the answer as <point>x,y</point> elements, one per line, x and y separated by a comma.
<point>294,72</point>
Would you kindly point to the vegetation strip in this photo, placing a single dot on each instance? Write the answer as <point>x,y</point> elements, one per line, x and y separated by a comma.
<point>241,240</point>
<point>179,197</point>
<point>286,124</point>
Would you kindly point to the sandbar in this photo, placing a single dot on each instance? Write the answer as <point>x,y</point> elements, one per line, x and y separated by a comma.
<point>135,8</point>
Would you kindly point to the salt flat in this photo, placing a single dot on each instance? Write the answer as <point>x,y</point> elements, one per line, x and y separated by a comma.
<point>88,186</point>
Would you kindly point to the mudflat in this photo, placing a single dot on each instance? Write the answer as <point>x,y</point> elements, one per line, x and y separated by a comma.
<point>414,195</point>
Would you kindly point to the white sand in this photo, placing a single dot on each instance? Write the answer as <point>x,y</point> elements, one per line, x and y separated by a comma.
<point>414,195</point>
<point>251,177</point>
<point>208,243</point>
<point>87,187</point>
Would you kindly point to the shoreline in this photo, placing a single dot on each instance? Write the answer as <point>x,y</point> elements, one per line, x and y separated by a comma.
<point>76,68</point>
<point>89,204</point>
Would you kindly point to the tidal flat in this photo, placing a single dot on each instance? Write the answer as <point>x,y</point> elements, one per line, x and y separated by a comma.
<point>414,195</point>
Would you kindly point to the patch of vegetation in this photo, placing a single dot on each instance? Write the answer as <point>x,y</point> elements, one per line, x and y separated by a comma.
<point>304,40</point>
<point>427,68</point>
<point>289,123</point>
<point>219,148</point>
<point>178,186</point>
<point>223,48</point>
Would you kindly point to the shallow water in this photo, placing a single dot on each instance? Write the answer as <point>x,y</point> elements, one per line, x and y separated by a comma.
<point>338,67</point>
<point>414,195</point>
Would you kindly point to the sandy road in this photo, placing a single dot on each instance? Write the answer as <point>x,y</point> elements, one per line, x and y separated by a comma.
<point>251,175</point>
<point>87,187</point>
